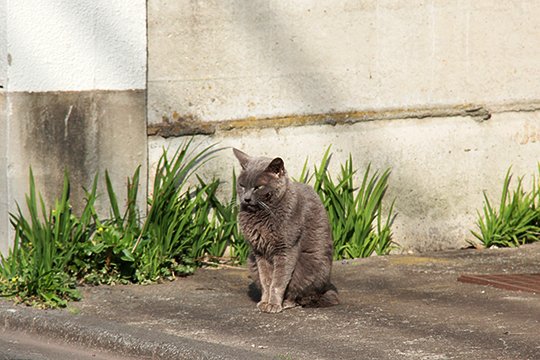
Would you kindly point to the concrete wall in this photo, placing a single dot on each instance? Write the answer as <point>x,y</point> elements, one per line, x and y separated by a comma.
<point>4,203</point>
<point>217,60</point>
<point>64,45</point>
<point>3,43</point>
<point>4,198</point>
<point>446,93</point>
<point>74,97</point>
<point>443,92</point>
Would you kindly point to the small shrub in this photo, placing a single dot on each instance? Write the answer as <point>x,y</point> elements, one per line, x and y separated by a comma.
<point>359,227</point>
<point>34,272</point>
<point>104,257</point>
<point>517,220</point>
<point>178,230</point>
<point>55,250</point>
<point>226,233</point>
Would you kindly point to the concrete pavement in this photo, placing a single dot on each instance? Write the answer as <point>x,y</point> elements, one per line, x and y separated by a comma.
<point>393,307</point>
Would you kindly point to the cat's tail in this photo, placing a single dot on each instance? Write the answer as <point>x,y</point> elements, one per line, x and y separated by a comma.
<point>324,299</point>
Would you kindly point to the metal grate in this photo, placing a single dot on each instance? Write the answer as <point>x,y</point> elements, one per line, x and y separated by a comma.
<point>517,282</point>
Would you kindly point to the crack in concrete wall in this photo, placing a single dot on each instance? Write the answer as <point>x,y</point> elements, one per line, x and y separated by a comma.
<point>177,125</point>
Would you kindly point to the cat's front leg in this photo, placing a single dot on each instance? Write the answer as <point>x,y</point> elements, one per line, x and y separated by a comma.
<point>265,270</point>
<point>281,276</point>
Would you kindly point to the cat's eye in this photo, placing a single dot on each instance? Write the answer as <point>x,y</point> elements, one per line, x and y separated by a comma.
<point>258,187</point>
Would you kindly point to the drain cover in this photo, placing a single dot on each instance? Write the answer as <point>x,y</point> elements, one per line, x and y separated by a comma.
<point>520,282</point>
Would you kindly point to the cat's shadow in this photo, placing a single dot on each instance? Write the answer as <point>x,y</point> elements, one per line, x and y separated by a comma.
<point>254,293</point>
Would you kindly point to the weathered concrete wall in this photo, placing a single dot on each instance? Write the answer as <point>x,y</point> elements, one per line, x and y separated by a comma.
<point>443,92</point>
<point>4,198</point>
<point>440,167</point>
<point>75,98</point>
<point>3,43</point>
<point>4,204</point>
<point>217,60</point>
<point>83,132</point>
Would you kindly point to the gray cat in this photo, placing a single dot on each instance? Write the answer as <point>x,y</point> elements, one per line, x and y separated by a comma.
<point>287,228</point>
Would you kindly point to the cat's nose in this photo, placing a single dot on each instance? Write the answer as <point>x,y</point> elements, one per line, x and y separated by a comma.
<point>247,196</point>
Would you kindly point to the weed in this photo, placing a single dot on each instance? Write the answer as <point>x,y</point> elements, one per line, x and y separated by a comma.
<point>227,231</point>
<point>517,220</point>
<point>175,232</point>
<point>34,272</point>
<point>56,249</point>
<point>104,258</point>
<point>355,213</point>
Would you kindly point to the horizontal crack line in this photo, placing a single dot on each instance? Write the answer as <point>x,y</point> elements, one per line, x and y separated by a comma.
<point>182,126</point>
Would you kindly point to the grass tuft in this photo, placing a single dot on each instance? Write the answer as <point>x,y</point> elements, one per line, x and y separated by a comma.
<point>359,227</point>
<point>186,226</point>
<point>34,272</point>
<point>517,219</point>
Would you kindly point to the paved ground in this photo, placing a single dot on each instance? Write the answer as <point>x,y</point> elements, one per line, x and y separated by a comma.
<point>393,307</point>
<point>21,346</point>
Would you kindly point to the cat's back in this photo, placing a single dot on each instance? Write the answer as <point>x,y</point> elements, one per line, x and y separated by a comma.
<point>309,206</point>
<point>312,219</point>
<point>307,195</point>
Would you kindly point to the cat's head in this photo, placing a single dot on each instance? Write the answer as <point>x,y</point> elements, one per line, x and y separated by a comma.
<point>262,182</point>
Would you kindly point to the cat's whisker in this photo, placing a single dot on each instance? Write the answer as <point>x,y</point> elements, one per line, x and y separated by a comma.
<point>266,207</point>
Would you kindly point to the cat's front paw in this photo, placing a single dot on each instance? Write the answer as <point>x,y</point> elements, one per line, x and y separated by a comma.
<point>261,304</point>
<point>269,308</point>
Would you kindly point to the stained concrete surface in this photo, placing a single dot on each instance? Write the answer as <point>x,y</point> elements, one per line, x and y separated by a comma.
<point>221,60</point>
<point>20,346</point>
<point>393,307</point>
<point>82,132</point>
<point>441,166</point>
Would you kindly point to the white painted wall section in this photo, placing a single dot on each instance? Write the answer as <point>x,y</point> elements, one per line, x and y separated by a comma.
<point>62,45</point>
<point>3,44</point>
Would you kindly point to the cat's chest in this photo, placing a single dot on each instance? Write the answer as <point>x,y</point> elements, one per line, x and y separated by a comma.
<point>264,236</point>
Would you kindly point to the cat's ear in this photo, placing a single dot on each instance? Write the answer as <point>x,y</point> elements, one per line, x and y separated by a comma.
<point>276,167</point>
<point>242,157</point>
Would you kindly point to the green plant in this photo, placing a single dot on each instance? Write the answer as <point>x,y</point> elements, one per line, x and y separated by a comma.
<point>186,223</point>
<point>517,220</point>
<point>54,251</point>
<point>105,257</point>
<point>227,230</point>
<point>212,241</point>
<point>174,233</point>
<point>35,270</point>
<point>355,213</point>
